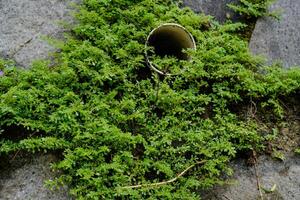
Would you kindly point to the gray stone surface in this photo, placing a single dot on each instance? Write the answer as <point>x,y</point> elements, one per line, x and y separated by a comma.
<point>23,178</point>
<point>216,8</point>
<point>285,174</point>
<point>23,22</point>
<point>279,40</point>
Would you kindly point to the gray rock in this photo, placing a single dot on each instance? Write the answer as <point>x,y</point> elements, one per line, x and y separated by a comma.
<point>279,40</point>
<point>24,22</point>
<point>243,185</point>
<point>23,178</point>
<point>216,8</point>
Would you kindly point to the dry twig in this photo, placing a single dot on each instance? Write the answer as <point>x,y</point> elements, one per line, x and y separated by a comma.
<point>164,182</point>
<point>257,176</point>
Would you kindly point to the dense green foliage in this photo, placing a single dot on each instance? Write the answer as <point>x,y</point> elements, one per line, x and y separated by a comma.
<point>254,8</point>
<point>118,124</point>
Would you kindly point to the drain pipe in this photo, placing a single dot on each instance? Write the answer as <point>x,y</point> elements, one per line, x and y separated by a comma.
<point>169,39</point>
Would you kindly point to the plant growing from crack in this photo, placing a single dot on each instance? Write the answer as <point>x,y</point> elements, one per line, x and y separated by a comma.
<point>116,128</point>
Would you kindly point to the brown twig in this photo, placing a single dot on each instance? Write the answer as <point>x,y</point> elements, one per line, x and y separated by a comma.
<point>284,105</point>
<point>226,197</point>
<point>14,157</point>
<point>157,91</point>
<point>164,182</point>
<point>18,48</point>
<point>252,110</point>
<point>257,176</point>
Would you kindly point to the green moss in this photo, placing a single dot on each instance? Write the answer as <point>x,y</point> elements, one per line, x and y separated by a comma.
<point>119,124</point>
<point>254,8</point>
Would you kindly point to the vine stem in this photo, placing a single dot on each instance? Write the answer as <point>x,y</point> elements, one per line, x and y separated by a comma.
<point>20,149</point>
<point>257,176</point>
<point>165,182</point>
<point>157,88</point>
<point>258,183</point>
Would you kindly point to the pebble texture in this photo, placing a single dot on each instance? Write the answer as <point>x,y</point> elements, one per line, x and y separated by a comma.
<point>215,8</point>
<point>24,22</point>
<point>279,40</point>
<point>22,178</point>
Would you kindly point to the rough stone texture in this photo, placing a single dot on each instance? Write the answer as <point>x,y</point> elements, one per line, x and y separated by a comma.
<point>23,178</point>
<point>244,187</point>
<point>279,40</point>
<point>23,22</point>
<point>216,8</point>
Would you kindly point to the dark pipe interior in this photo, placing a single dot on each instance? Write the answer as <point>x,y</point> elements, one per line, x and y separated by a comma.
<point>168,43</point>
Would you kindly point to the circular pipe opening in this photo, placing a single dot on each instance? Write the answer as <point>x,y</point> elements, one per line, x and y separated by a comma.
<point>169,40</point>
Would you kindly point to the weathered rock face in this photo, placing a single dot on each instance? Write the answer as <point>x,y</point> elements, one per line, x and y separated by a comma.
<point>216,8</point>
<point>285,175</point>
<point>24,177</point>
<point>22,23</point>
<point>279,40</point>
<point>282,176</point>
